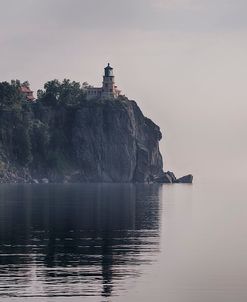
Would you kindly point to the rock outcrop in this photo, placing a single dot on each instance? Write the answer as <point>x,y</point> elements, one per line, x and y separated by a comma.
<point>169,178</point>
<point>187,179</point>
<point>114,142</point>
<point>101,140</point>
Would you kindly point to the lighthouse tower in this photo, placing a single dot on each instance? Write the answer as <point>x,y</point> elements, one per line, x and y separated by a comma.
<point>109,88</point>
<point>108,91</point>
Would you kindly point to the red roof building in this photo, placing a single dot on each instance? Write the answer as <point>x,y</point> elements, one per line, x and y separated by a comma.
<point>27,92</point>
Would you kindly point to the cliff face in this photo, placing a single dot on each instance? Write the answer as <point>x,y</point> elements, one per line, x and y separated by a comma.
<point>95,141</point>
<point>114,142</point>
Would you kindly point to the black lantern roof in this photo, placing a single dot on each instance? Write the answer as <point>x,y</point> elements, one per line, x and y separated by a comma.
<point>108,66</point>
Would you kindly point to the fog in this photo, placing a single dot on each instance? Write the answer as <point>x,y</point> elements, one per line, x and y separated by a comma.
<point>183,61</point>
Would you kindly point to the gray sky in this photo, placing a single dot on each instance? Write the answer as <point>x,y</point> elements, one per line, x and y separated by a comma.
<point>183,61</point>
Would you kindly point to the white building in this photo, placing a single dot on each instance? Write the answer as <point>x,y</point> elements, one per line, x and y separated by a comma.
<point>108,90</point>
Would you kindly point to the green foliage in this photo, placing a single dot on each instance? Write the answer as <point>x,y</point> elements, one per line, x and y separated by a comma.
<point>61,93</point>
<point>38,134</point>
<point>9,96</point>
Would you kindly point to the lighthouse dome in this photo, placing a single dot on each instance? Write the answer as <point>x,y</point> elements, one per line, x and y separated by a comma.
<point>108,71</point>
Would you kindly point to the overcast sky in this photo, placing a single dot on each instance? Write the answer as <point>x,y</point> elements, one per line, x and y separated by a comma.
<point>183,61</point>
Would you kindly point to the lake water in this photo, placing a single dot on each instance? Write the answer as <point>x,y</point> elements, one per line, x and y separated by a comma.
<point>173,243</point>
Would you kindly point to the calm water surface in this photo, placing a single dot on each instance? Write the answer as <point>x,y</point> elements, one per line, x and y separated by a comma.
<point>178,243</point>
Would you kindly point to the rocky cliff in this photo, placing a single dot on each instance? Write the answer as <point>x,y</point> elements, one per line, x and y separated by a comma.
<point>62,137</point>
<point>114,142</point>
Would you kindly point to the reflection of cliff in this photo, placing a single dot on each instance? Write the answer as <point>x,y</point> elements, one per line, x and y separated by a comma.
<point>78,240</point>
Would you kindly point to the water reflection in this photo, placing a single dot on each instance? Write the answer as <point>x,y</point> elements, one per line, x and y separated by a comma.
<point>71,240</point>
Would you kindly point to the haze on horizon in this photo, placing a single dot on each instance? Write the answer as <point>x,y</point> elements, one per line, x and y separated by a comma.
<point>183,61</point>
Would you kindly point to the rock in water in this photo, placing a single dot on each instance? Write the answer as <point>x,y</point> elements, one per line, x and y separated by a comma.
<point>187,179</point>
<point>172,176</point>
<point>166,178</point>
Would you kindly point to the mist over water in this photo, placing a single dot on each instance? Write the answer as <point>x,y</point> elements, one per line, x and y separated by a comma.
<point>178,243</point>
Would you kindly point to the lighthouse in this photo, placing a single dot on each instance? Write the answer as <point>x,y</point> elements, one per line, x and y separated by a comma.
<point>108,90</point>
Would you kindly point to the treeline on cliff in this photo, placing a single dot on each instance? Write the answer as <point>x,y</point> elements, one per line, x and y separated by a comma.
<point>38,133</point>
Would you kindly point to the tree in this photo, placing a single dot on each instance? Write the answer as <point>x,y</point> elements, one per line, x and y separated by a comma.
<point>9,95</point>
<point>64,93</point>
